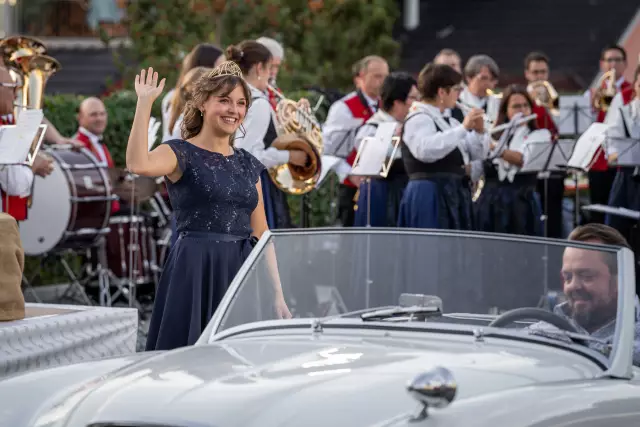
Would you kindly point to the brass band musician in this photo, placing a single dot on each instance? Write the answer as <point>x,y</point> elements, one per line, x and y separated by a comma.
<point>613,62</point>
<point>399,92</point>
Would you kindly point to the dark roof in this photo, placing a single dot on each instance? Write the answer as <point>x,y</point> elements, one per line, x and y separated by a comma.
<point>571,32</point>
<point>85,71</point>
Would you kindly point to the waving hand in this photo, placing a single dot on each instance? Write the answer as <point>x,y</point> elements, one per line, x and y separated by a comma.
<point>147,86</point>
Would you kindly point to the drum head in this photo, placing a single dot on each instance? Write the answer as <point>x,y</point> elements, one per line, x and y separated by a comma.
<point>49,214</point>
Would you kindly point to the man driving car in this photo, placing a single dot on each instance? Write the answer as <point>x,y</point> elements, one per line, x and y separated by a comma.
<point>590,285</point>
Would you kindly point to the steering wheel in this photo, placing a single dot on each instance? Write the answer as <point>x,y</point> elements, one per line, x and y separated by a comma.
<point>528,313</point>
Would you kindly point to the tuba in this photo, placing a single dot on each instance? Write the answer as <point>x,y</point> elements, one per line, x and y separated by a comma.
<point>300,131</point>
<point>605,90</point>
<point>545,95</point>
<point>30,67</point>
<point>26,60</point>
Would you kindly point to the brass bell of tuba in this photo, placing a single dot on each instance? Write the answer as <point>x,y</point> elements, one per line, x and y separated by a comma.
<point>30,67</point>
<point>26,60</point>
<point>545,95</point>
<point>299,131</point>
<point>605,90</point>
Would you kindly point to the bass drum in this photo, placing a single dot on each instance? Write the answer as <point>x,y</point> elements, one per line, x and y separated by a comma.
<point>71,206</point>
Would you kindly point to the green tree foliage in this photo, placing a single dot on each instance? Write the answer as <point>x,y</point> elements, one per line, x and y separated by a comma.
<point>162,32</point>
<point>322,38</point>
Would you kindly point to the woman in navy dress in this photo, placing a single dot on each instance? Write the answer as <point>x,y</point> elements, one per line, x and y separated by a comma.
<point>435,150</point>
<point>216,194</point>
<point>509,202</point>
<point>259,128</point>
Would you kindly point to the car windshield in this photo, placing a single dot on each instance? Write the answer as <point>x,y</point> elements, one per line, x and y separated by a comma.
<point>332,272</point>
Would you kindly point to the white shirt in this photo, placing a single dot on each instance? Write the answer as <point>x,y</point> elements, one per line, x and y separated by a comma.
<point>166,115</point>
<point>427,144</point>
<point>255,126</point>
<point>626,118</point>
<point>95,143</point>
<point>16,180</point>
<point>369,129</point>
<point>340,127</point>
<point>492,103</point>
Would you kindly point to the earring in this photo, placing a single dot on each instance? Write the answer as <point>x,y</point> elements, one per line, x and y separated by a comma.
<point>201,113</point>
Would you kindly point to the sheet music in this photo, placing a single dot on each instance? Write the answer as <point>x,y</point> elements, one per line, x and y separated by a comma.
<point>575,114</point>
<point>15,141</point>
<point>373,152</point>
<point>333,163</point>
<point>587,146</point>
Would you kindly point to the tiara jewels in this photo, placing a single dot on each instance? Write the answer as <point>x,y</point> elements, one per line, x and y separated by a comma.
<point>227,68</point>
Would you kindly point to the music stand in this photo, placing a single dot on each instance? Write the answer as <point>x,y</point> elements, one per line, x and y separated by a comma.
<point>371,162</point>
<point>584,155</point>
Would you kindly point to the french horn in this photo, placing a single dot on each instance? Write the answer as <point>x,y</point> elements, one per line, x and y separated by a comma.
<point>300,130</point>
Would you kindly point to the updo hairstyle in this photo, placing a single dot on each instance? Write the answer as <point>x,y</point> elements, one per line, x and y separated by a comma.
<point>247,54</point>
<point>221,81</point>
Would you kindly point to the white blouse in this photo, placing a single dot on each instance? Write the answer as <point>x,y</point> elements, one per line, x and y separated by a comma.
<point>428,144</point>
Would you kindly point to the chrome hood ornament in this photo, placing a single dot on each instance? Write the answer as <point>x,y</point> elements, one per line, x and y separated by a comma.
<point>435,388</point>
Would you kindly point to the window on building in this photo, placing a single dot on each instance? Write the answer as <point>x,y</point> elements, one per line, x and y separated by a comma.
<point>72,18</point>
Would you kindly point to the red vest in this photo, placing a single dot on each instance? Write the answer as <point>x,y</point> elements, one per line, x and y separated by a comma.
<point>273,98</point>
<point>600,163</point>
<point>359,110</point>
<point>79,136</point>
<point>627,95</point>
<point>15,206</point>
<point>544,120</point>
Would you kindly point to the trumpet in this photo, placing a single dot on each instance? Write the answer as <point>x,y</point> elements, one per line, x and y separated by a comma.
<point>604,95</point>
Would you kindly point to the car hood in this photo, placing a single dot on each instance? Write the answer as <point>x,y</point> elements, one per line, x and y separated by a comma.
<point>283,381</point>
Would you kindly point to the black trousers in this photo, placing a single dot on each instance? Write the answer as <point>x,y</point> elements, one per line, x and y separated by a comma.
<point>600,183</point>
<point>346,215</point>
<point>553,199</point>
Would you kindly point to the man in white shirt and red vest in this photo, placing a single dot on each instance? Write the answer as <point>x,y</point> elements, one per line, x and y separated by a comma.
<point>16,181</point>
<point>536,69</point>
<point>92,122</point>
<point>601,176</point>
<point>343,120</point>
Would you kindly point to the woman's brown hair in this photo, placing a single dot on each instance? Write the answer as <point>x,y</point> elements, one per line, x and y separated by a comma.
<point>205,87</point>
<point>504,104</point>
<point>183,94</point>
<point>202,55</point>
<point>436,76</point>
<point>247,54</point>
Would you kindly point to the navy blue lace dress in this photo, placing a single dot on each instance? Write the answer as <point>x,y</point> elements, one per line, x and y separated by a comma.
<point>213,202</point>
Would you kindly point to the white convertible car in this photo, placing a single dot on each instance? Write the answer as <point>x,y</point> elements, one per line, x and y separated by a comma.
<point>391,328</point>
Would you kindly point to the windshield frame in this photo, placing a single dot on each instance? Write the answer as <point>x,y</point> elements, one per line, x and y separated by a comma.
<point>621,361</point>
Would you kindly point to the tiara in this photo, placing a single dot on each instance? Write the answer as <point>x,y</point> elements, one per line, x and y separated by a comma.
<point>227,68</point>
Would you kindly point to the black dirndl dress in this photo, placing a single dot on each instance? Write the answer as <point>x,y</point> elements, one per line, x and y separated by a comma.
<point>213,202</point>
<point>276,205</point>
<point>509,207</point>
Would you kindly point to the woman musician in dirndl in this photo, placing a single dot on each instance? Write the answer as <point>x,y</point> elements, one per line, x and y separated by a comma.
<point>435,150</point>
<point>509,202</point>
